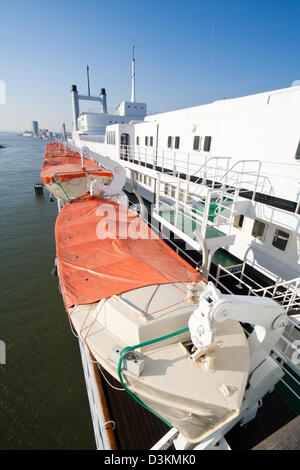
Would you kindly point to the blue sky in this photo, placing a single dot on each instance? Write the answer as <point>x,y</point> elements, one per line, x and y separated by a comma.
<point>187,53</point>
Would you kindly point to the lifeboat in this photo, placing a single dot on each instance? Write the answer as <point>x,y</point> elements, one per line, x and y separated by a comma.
<point>67,175</point>
<point>129,297</point>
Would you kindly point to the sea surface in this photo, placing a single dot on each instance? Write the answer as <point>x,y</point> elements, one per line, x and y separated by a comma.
<point>43,399</point>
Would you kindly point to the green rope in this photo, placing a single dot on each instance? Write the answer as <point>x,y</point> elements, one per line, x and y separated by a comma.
<point>56,179</point>
<point>131,348</point>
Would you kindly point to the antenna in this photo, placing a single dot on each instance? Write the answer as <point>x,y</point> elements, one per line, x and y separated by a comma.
<point>88,79</point>
<point>133,75</point>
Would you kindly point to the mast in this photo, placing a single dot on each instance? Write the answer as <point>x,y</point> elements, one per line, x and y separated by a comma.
<point>88,79</point>
<point>133,76</point>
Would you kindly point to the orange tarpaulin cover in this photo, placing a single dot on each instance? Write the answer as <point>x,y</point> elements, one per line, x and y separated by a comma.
<point>100,254</point>
<point>68,167</point>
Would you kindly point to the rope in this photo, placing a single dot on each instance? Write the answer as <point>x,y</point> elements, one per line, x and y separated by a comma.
<point>89,311</point>
<point>56,179</point>
<point>95,319</point>
<point>107,422</point>
<point>107,381</point>
<point>168,306</point>
<point>151,297</point>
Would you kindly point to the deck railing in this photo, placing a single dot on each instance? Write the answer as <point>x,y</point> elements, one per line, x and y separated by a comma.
<point>249,176</point>
<point>285,349</point>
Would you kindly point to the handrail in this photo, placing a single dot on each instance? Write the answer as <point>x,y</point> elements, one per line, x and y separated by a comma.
<point>296,280</point>
<point>186,165</point>
<point>238,163</point>
<point>206,162</point>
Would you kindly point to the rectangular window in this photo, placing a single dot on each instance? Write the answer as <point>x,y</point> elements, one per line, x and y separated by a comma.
<point>169,142</point>
<point>238,221</point>
<point>207,143</point>
<point>197,143</point>
<point>146,140</point>
<point>280,239</point>
<point>151,141</point>
<point>137,140</point>
<point>177,142</point>
<point>258,229</point>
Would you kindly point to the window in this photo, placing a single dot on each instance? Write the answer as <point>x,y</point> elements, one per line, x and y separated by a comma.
<point>258,229</point>
<point>280,239</point>
<point>111,137</point>
<point>173,141</point>
<point>297,156</point>
<point>207,143</point>
<point>146,140</point>
<point>238,221</point>
<point>137,140</point>
<point>151,141</point>
<point>197,143</point>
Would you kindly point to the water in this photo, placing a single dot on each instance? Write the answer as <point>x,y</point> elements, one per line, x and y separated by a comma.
<point>43,399</point>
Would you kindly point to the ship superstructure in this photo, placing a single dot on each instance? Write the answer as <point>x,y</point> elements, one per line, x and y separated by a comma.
<point>223,181</point>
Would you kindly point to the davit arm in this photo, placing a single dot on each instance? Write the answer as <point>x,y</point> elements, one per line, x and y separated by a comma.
<point>267,315</point>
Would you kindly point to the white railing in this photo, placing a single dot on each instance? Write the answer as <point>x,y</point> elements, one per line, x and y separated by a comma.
<point>175,162</point>
<point>211,207</point>
<point>285,348</point>
<point>249,176</point>
<point>287,293</point>
<point>178,211</point>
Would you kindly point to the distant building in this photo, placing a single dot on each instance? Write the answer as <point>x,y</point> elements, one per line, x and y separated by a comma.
<point>64,134</point>
<point>35,128</point>
<point>43,133</point>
